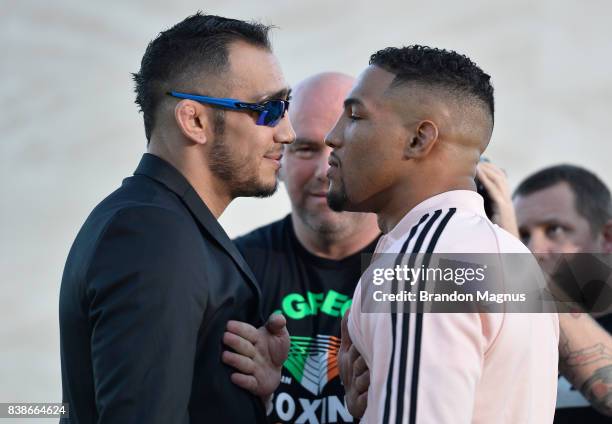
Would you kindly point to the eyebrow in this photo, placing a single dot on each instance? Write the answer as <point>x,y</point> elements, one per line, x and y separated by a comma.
<point>280,94</point>
<point>549,221</point>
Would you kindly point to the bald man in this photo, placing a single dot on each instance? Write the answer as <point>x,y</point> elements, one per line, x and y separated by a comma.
<point>308,263</point>
<point>406,148</point>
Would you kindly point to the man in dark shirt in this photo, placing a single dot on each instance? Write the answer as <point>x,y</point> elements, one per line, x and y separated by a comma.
<point>566,209</point>
<point>308,263</point>
<point>152,279</point>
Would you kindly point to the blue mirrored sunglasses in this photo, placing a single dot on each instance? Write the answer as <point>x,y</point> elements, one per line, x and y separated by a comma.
<point>270,112</point>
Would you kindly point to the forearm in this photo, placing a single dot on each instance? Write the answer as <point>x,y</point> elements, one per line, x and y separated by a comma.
<point>598,390</point>
<point>585,359</point>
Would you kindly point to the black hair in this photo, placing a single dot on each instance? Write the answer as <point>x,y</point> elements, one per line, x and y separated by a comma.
<point>196,46</point>
<point>592,197</point>
<point>436,67</point>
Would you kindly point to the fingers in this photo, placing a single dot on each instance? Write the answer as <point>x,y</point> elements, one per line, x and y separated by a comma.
<point>279,352</point>
<point>247,382</point>
<point>346,341</point>
<point>356,403</point>
<point>491,169</point>
<point>361,374</point>
<point>277,345</point>
<point>362,382</point>
<point>359,365</point>
<point>344,358</point>
<point>244,330</point>
<point>496,186</point>
<point>362,402</point>
<point>239,344</point>
<point>483,175</point>
<point>239,362</point>
<point>347,365</point>
<point>493,177</point>
<point>495,181</point>
<point>276,324</point>
<point>353,355</point>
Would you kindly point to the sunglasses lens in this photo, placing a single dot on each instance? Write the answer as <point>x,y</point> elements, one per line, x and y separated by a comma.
<point>273,113</point>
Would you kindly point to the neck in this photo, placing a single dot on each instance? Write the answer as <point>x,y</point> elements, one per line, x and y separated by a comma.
<point>338,245</point>
<point>195,170</point>
<point>405,196</point>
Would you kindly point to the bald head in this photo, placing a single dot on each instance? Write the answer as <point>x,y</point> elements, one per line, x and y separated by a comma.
<point>317,101</point>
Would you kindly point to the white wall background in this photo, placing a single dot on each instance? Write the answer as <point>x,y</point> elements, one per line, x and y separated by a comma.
<point>69,131</point>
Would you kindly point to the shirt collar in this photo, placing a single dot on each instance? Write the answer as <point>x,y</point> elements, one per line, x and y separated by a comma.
<point>463,200</point>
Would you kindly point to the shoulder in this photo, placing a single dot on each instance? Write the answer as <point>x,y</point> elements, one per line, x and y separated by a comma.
<point>131,236</point>
<point>152,222</point>
<point>142,203</point>
<point>468,232</point>
<point>138,212</point>
<point>144,234</point>
<point>148,245</point>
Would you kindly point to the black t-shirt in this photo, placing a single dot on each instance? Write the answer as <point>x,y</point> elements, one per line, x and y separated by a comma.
<point>313,293</point>
<point>572,407</point>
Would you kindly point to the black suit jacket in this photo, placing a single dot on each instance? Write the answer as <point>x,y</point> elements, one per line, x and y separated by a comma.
<point>149,285</point>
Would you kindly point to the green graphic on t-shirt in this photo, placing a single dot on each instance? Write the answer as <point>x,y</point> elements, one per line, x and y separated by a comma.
<point>313,361</point>
<point>298,306</point>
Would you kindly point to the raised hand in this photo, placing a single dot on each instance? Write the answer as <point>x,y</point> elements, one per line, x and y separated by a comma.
<point>354,373</point>
<point>258,354</point>
<point>496,183</point>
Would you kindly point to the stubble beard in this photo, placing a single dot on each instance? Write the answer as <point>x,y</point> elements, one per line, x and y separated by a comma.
<point>337,199</point>
<point>319,225</point>
<point>242,179</point>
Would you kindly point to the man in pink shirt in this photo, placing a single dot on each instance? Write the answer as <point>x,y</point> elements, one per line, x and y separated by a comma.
<point>406,148</point>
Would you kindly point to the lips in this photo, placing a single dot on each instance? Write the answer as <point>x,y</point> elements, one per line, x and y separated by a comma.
<point>333,161</point>
<point>274,156</point>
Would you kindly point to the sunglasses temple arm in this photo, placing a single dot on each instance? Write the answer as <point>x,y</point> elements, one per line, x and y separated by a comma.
<point>228,103</point>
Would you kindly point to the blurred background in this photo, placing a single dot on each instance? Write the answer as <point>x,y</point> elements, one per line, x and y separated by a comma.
<point>70,132</point>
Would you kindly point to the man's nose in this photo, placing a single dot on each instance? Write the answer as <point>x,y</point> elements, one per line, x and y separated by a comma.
<point>323,165</point>
<point>333,138</point>
<point>284,133</point>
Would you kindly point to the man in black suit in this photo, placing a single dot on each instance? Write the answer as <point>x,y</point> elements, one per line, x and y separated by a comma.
<point>152,279</point>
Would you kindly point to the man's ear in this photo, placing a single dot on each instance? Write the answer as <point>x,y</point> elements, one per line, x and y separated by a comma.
<point>607,236</point>
<point>192,120</point>
<point>424,138</point>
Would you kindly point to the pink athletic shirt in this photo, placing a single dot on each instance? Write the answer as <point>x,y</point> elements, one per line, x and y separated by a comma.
<point>459,368</point>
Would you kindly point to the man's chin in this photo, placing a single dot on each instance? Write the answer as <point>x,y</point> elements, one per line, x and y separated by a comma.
<point>323,221</point>
<point>256,189</point>
<point>267,190</point>
<point>337,201</point>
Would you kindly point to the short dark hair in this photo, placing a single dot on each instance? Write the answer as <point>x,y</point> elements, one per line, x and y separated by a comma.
<point>437,67</point>
<point>592,197</point>
<point>195,45</point>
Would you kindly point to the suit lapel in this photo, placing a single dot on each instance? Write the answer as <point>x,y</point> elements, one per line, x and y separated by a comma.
<point>161,171</point>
